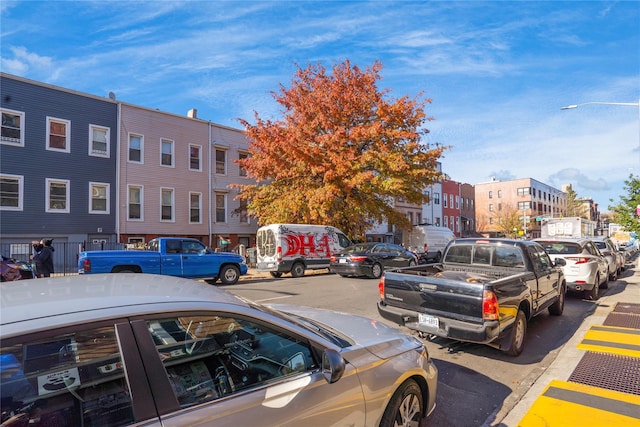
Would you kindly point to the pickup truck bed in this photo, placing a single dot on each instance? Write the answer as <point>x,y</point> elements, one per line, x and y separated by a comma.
<point>487,300</point>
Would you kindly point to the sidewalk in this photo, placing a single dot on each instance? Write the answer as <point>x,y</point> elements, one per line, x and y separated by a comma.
<point>595,378</point>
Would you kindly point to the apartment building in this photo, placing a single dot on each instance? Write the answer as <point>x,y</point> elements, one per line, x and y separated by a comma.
<point>532,200</point>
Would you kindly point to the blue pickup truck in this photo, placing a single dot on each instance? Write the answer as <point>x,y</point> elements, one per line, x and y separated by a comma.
<point>171,256</point>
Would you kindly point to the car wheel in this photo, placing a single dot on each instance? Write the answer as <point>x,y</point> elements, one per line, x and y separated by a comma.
<point>297,270</point>
<point>412,263</point>
<point>376,271</point>
<point>593,294</point>
<point>405,408</point>
<point>275,274</point>
<point>229,275</point>
<point>516,342</point>
<point>557,307</point>
<point>613,276</point>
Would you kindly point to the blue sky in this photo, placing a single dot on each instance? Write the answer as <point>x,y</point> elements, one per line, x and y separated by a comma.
<point>497,72</point>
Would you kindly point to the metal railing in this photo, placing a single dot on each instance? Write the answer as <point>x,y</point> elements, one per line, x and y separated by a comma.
<point>65,254</point>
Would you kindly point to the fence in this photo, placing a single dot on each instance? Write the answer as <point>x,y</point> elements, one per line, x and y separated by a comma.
<point>65,255</point>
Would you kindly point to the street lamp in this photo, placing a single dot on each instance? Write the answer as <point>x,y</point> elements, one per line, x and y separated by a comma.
<point>628,104</point>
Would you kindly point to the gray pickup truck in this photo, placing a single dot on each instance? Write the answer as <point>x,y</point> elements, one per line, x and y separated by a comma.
<point>483,291</point>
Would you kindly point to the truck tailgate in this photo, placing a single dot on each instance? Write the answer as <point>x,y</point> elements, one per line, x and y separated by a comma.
<point>452,294</point>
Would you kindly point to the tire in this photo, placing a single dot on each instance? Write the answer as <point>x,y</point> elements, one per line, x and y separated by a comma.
<point>593,294</point>
<point>557,307</point>
<point>297,269</point>
<point>612,277</point>
<point>229,274</point>
<point>516,340</point>
<point>405,408</point>
<point>275,274</point>
<point>412,263</point>
<point>376,271</point>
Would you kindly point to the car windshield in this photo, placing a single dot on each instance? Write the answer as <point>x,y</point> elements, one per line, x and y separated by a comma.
<point>317,328</point>
<point>357,249</point>
<point>561,248</point>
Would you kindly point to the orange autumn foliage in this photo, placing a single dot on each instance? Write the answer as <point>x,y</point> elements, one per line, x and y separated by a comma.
<point>340,155</point>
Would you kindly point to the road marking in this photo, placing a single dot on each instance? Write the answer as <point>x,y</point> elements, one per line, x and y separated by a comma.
<point>572,404</point>
<point>615,340</point>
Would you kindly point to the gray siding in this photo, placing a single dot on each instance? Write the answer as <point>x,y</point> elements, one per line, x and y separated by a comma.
<point>35,163</point>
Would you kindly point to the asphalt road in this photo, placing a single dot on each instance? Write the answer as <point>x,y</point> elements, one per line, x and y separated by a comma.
<point>477,384</point>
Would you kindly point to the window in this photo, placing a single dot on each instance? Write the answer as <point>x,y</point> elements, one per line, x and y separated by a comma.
<point>99,199</point>
<point>491,194</point>
<point>134,205</point>
<point>499,194</point>
<point>221,162</point>
<point>166,152</point>
<point>436,198</point>
<point>457,202</point>
<point>195,162</point>
<point>99,142</point>
<point>242,171</point>
<point>58,134</point>
<point>216,356</point>
<point>195,208</point>
<point>499,206</point>
<point>11,192</point>
<point>446,221</point>
<point>444,200</point>
<point>490,207</point>
<point>451,200</point>
<point>57,195</point>
<point>166,196</point>
<point>70,379</point>
<point>12,128</point>
<point>221,211</point>
<point>136,145</point>
<point>524,191</point>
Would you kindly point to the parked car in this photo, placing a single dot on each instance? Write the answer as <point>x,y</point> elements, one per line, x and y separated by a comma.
<point>586,269</point>
<point>370,259</point>
<point>121,349</point>
<point>13,269</point>
<point>615,258</point>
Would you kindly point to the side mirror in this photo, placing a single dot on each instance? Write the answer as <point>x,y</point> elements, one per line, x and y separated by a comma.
<point>560,262</point>
<point>332,365</point>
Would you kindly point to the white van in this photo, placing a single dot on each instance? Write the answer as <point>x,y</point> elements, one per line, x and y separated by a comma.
<point>428,241</point>
<point>294,248</point>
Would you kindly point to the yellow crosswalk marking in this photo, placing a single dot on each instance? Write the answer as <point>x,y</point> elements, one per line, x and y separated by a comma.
<point>570,404</point>
<point>611,339</point>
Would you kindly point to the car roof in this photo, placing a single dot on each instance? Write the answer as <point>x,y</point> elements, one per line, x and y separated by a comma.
<point>84,295</point>
<point>578,240</point>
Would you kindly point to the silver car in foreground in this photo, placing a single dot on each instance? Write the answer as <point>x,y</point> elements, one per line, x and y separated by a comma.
<point>136,349</point>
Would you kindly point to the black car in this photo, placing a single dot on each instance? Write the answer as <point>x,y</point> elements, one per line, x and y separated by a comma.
<point>370,259</point>
<point>12,269</point>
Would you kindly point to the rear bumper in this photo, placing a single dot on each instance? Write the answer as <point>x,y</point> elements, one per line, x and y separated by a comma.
<point>483,333</point>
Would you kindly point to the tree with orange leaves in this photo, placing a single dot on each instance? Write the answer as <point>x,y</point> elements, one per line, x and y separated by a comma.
<point>341,154</point>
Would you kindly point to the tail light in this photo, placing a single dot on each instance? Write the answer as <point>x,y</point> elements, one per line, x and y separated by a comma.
<point>86,265</point>
<point>279,253</point>
<point>578,260</point>
<point>359,258</point>
<point>490,309</point>
<point>381,287</point>
<point>333,258</point>
<point>426,247</point>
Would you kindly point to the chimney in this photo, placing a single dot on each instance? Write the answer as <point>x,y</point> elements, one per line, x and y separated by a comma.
<point>193,113</point>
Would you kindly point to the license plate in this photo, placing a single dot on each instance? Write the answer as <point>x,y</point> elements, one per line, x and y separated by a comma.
<point>342,261</point>
<point>429,321</point>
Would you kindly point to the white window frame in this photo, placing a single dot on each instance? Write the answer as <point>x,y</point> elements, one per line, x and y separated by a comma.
<point>107,133</point>
<point>67,184</point>
<point>199,207</point>
<point>224,196</point>
<point>242,172</point>
<point>141,189</point>
<point>173,204</point>
<point>107,187</point>
<point>20,180</point>
<point>173,150</point>
<point>11,141</point>
<point>135,135</point>
<point>199,147</point>
<point>67,135</point>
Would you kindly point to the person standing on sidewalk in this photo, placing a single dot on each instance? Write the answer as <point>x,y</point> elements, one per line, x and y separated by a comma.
<point>44,258</point>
